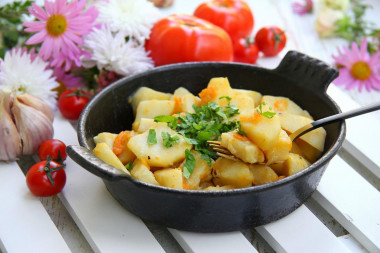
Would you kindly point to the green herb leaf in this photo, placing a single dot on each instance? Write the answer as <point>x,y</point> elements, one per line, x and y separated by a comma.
<point>164,118</point>
<point>226,97</point>
<point>267,114</point>
<point>207,122</point>
<point>189,164</point>
<point>129,165</point>
<point>152,136</point>
<point>168,140</point>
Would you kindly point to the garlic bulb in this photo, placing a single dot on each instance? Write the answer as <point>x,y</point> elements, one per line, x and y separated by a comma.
<point>10,142</point>
<point>33,126</point>
<point>37,103</point>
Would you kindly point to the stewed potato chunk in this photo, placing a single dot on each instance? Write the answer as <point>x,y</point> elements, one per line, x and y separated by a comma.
<point>158,154</point>
<point>141,171</point>
<point>234,173</point>
<point>145,93</point>
<point>292,122</point>
<point>242,147</point>
<point>280,151</point>
<point>283,104</point>
<point>201,173</point>
<point>152,108</point>
<point>171,178</point>
<point>262,131</point>
<point>262,174</point>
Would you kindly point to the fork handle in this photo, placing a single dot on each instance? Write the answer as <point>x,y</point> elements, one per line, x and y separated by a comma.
<point>334,118</point>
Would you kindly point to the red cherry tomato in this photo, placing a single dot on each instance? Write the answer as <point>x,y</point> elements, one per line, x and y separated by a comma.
<point>245,51</point>
<point>270,40</point>
<point>38,181</point>
<point>234,16</point>
<point>71,102</point>
<point>185,38</point>
<point>54,148</point>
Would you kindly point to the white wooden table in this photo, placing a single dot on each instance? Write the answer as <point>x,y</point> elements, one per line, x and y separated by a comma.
<point>343,215</point>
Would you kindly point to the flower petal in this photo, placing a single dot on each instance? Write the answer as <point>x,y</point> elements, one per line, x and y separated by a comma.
<point>37,38</point>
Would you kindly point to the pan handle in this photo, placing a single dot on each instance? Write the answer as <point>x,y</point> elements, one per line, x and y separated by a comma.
<point>315,73</point>
<point>90,162</point>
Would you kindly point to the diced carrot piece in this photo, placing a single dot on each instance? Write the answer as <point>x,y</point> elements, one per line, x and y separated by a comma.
<point>177,105</point>
<point>121,139</point>
<point>280,105</point>
<point>207,95</point>
<point>240,137</point>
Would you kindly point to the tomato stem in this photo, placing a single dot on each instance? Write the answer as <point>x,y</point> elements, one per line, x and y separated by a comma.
<point>78,92</point>
<point>277,37</point>
<point>49,170</point>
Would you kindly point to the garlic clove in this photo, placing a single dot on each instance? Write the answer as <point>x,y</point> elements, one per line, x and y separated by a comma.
<point>33,126</point>
<point>38,104</point>
<point>10,141</point>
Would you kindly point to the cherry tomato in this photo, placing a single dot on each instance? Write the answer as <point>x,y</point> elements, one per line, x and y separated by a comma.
<point>72,101</point>
<point>245,51</point>
<point>54,148</point>
<point>185,38</point>
<point>234,16</point>
<point>44,180</point>
<point>270,40</point>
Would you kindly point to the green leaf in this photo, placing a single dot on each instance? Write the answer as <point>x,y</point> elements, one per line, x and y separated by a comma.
<point>164,118</point>
<point>207,122</point>
<point>226,97</point>
<point>168,140</point>
<point>152,136</point>
<point>129,165</point>
<point>189,164</point>
<point>267,114</point>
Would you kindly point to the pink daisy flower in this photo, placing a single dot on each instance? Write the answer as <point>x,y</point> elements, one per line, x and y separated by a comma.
<point>358,68</point>
<point>301,9</point>
<point>60,28</point>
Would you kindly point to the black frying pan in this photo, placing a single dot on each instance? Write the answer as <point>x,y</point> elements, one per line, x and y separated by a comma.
<point>299,77</point>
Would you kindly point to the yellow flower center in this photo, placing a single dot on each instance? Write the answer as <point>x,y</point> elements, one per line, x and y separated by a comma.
<point>56,25</point>
<point>360,70</point>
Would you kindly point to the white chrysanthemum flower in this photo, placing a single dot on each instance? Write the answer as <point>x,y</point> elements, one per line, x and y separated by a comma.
<point>134,18</point>
<point>25,75</point>
<point>111,51</point>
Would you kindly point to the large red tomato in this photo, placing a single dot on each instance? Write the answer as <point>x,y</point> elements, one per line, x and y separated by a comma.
<point>234,16</point>
<point>185,38</point>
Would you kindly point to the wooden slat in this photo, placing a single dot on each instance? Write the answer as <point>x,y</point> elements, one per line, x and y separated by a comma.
<point>216,242</point>
<point>25,226</point>
<point>106,225</point>
<point>352,201</point>
<point>301,231</point>
<point>352,244</point>
<point>362,139</point>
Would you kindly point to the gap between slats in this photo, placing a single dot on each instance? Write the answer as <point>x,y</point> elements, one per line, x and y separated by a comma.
<point>352,201</point>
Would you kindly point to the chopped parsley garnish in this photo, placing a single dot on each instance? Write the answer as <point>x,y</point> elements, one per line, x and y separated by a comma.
<point>207,123</point>
<point>189,164</point>
<point>152,136</point>
<point>129,166</point>
<point>168,140</point>
<point>267,114</point>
